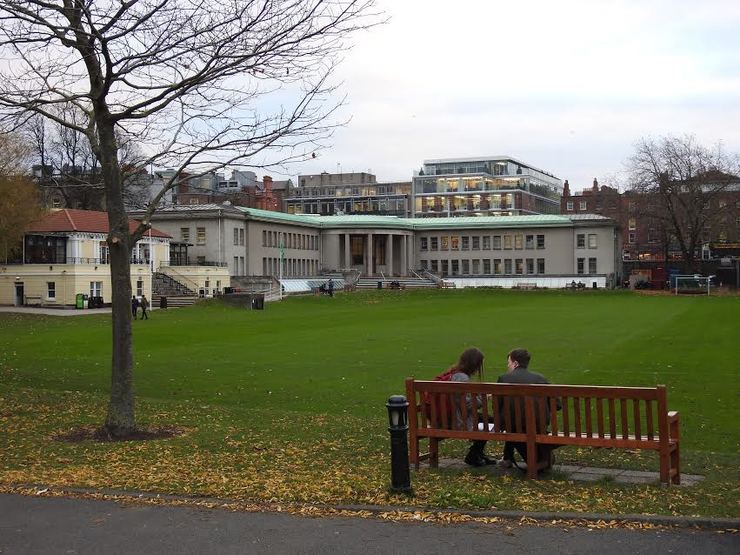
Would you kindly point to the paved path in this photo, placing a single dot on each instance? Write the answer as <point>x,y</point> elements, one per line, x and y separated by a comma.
<point>580,473</point>
<point>63,525</point>
<point>60,311</point>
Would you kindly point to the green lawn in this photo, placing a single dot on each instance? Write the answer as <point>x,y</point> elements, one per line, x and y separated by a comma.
<point>288,403</point>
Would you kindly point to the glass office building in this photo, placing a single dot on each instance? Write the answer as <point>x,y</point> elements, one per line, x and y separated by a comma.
<point>487,186</point>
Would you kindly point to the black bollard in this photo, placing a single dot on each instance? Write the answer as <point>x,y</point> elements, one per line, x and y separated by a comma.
<point>398,427</point>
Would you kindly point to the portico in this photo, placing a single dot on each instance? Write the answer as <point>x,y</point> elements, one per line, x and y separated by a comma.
<point>374,252</point>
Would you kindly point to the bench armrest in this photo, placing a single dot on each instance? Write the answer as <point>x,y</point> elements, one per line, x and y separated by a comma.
<point>672,416</point>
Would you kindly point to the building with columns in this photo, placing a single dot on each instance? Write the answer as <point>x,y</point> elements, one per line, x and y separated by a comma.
<point>478,250</point>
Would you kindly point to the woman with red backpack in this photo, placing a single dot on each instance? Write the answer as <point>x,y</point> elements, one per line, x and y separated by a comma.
<point>469,364</point>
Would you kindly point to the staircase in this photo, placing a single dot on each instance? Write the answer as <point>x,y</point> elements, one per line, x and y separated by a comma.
<point>405,282</point>
<point>177,294</point>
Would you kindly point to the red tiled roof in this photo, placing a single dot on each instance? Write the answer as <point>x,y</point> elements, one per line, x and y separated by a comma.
<point>69,219</point>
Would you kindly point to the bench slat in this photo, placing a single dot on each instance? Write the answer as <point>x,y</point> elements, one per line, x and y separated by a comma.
<point>649,419</point>
<point>623,416</point>
<point>553,415</point>
<point>612,419</point>
<point>577,414</point>
<point>566,415</point>
<point>589,427</point>
<point>600,416</point>
<point>636,416</point>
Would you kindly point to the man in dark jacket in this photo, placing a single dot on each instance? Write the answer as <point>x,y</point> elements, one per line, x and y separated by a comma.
<point>134,306</point>
<point>518,365</point>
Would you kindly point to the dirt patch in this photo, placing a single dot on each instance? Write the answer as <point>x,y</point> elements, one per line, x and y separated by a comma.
<point>77,435</point>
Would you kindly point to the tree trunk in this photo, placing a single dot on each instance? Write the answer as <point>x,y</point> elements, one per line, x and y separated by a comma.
<point>120,420</point>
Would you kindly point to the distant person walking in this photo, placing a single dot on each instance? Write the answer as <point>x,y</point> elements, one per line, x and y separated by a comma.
<point>330,286</point>
<point>134,306</point>
<point>144,306</point>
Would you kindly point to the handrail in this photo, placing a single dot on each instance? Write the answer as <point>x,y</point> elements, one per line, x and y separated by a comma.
<point>196,287</point>
<point>436,279</point>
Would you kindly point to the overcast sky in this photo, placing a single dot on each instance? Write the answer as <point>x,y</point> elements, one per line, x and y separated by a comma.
<point>566,86</point>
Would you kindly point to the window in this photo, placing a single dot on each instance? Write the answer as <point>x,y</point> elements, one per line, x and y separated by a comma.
<point>581,241</point>
<point>579,267</point>
<point>454,243</point>
<point>496,265</point>
<point>487,266</point>
<point>264,238</point>
<point>200,260</point>
<point>632,224</point>
<point>583,205</point>
<point>434,243</point>
<point>487,240</point>
<point>185,234</point>
<point>529,242</point>
<point>592,241</point>
<point>455,265</point>
<point>466,243</point>
<point>241,237</point>
<point>423,243</point>
<point>497,242</point>
<point>518,242</point>
<point>632,238</point>
<point>445,268</point>
<point>466,267</point>
<point>507,242</point>
<point>591,265</point>
<point>445,243</point>
<point>235,270</point>
<point>507,266</point>
<point>51,290</point>
<point>476,243</point>
<point>530,265</point>
<point>139,287</point>
<point>236,236</point>
<point>424,264</point>
<point>540,241</point>
<point>519,265</point>
<point>540,265</point>
<point>435,266</point>
<point>569,205</point>
<point>476,266</point>
<point>96,288</point>
<point>356,247</point>
<point>200,236</point>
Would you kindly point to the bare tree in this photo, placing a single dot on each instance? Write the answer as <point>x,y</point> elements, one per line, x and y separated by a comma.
<point>19,202</point>
<point>201,84</point>
<point>682,184</point>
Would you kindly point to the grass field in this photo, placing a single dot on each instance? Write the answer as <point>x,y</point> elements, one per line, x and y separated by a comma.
<point>287,404</point>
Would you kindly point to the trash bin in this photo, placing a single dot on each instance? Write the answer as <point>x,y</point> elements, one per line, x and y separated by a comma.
<point>162,302</point>
<point>85,300</point>
<point>380,285</point>
<point>79,300</point>
<point>258,302</point>
<point>594,285</point>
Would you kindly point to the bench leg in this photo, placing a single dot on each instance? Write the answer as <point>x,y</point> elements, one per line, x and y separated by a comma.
<point>665,467</point>
<point>676,465</point>
<point>414,450</point>
<point>433,452</point>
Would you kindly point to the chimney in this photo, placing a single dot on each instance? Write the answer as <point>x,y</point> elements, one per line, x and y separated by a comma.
<point>566,189</point>
<point>596,186</point>
<point>267,183</point>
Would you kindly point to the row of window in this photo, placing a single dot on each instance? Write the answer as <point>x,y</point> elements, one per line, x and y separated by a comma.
<point>485,266</point>
<point>581,241</point>
<point>581,263</point>
<point>290,240</point>
<point>485,242</point>
<point>200,235</point>
<point>96,289</point>
<point>291,267</point>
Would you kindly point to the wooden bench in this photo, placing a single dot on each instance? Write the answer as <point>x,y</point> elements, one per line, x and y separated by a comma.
<point>526,286</point>
<point>591,416</point>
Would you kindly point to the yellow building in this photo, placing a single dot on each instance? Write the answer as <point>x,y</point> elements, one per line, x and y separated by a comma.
<point>65,254</point>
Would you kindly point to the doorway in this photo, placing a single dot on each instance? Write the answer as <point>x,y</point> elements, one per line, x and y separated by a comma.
<point>19,294</point>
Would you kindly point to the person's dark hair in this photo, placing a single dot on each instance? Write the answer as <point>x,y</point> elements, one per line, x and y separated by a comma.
<point>521,357</point>
<point>470,362</point>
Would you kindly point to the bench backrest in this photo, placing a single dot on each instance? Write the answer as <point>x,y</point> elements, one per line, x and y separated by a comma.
<point>590,414</point>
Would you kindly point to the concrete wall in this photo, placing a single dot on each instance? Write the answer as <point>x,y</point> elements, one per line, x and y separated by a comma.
<point>302,249</point>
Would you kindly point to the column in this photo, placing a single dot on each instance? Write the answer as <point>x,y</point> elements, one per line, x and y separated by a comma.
<point>404,255</point>
<point>369,255</point>
<point>389,254</point>
<point>347,254</point>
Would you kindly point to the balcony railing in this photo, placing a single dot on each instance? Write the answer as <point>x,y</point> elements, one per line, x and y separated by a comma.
<point>196,263</point>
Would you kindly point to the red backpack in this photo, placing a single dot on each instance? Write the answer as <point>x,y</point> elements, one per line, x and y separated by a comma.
<point>442,400</point>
